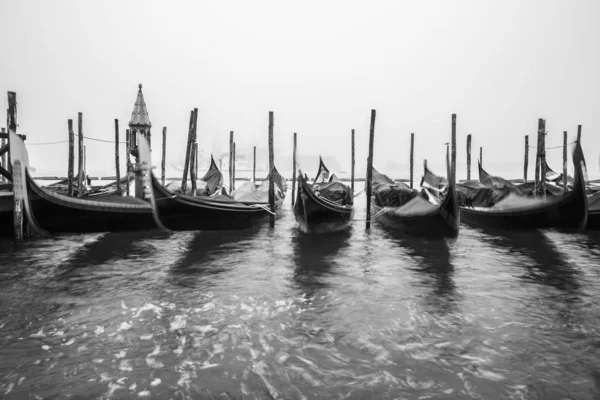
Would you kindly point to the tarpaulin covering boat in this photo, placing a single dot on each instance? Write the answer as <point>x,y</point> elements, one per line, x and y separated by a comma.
<point>396,205</point>
<point>515,211</point>
<point>249,192</point>
<point>210,184</point>
<point>526,189</point>
<point>326,205</point>
<point>53,212</point>
<point>180,212</point>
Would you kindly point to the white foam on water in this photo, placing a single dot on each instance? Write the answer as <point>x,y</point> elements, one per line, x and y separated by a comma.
<point>282,357</point>
<point>121,354</point>
<point>153,363</point>
<point>132,386</point>
<point>419,385</point>
<point>36,362</point>
<point>206,307</point>
<point>104,377</point>
<point>59,333</point>
<point>203,329</point>
<point>70,342</point>
<point>149,307</point>
<point>178,322</point>
<point>155,352</point>
<point>124,326</point>
<point>123,306</point>
<point>125,366</point>
<point>121,381</point>
<point>146,337</point>
<point>2,325</point>
<point>494,376</point>
<point>476,359</point>
<point>9,388</point>
<point>84,335</point>
<point>99,330</point>
<point>113,387</point>
<point>46,347</point>
<point>155,382</point>
<point>98,360</point>
<point>144,394</point>
<point>39,334</point>
<point>268,349</point>
<point>206,365</point>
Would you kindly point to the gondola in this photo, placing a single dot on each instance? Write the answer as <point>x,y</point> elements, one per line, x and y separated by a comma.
<point>397,206</point>
<point>180,212</point>
<point>213,182</point>
<point>52,212</point>
<point>567,211</point>
<point>326,205</point>
<point>593,222</point>
<point>6,212</point>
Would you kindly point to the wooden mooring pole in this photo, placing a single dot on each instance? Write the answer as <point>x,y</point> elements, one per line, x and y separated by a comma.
<point>117,164</point>
<point>254,166</point>
<point>164,155</point>
<point>80,166</point>
<point>526,161</point>
<point>17,190</point>
<point>370,167</point>
<point>579,134</point>
<point>352,164</point>
<point>412,158</point>
<point>3,143</point>
<point>565,161</point>
<point>230,161</point>
<point>193,163</point>
<point>453,148</point>
<point>294,170</point>
<point>539,170</point>
<point>469,157</point>
<point>71,166</point>
<point>233,167</point>
<point>188,150</point>
<point>271,168</point>
<point>481,156</point>
<point>127,159</point>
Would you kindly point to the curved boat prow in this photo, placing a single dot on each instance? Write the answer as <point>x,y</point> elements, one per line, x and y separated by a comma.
<point>580,179</point>
<point>146,171</point>
<point>20,162</point>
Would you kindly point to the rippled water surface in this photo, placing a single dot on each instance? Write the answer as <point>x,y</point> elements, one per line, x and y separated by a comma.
<point>282,315</point>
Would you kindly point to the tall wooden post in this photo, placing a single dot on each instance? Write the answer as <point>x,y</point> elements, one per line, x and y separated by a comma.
<point>193,163</point>
<point>453,145</point>
<point>352,165</point>
<point>197,157</point>
<point>233,166</point>
<point>412,159</point>
<point>526,162</point>
<point>565,161</point>
<point>294,171</point>
<point>254,166</point>
<point>127,159</point>
<point>164,155</point>
<point>71,167</point>
<point>3,142</point>
<point>543,160</point>
<point>271,167</point>
<point>81,156</point>
<point>117,164</point>
<point>481,155</point>
<point>540,173</point>
<point>469,157</point>
<point>370,167</point>
<point>230,161</point>
<point>18,196</point>
<point>579,134</point>
<point>188,150</point>
<point>84,166</point>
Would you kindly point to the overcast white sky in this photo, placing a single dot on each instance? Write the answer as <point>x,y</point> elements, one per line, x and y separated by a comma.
<point>321,66</point>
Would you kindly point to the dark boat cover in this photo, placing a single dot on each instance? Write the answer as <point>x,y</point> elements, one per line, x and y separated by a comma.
<point>249,192</point>
<point>389,193</point>
<point>432,180</point>
<point>213,178</point>
<point>335,192</point>
<point>594,202</point>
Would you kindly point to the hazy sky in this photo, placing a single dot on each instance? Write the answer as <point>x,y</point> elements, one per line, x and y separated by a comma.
<point>321,66</point>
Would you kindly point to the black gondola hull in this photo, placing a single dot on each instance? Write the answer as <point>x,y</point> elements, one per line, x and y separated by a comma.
<point>6,214</point>
<point>60,214</point>
<point>314,215</point>
<point>593,222</point>
<point>186,213</point>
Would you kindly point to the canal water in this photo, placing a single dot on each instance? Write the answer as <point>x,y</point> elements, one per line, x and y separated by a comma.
<point>277,314</point>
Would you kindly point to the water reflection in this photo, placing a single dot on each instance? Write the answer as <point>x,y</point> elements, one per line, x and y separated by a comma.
<point>208,253</point>
<point>432,262</point>
<point>314,258</point>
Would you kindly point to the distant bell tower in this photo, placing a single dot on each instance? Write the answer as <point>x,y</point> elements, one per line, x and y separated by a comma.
<point>138,125</point>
